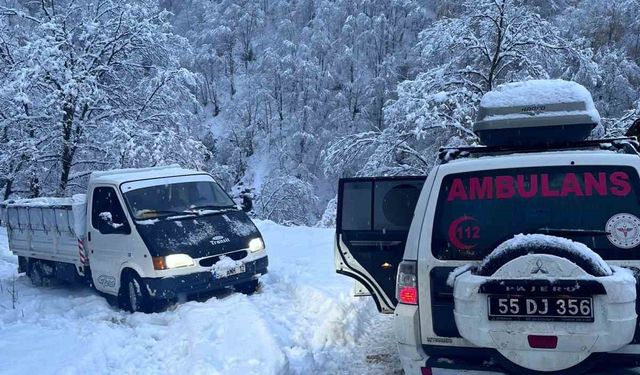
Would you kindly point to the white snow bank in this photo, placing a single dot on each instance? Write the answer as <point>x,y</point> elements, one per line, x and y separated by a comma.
<point>577,248</point>
<point>539,93</point>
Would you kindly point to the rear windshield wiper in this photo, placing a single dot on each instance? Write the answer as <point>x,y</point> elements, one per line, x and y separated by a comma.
<point>573,232</point>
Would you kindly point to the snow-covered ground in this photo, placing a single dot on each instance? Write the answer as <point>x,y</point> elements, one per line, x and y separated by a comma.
<point>304,320</point>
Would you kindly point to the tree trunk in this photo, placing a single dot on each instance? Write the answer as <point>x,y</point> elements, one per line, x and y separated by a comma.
<point>68,145</point>
<point>496,56</point>
<point>34,187</point>
<point>8,188</point>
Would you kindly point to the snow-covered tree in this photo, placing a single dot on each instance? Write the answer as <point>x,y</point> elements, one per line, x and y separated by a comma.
<point>283,96</point>
<point>490,42</point>
<point>94,85</point>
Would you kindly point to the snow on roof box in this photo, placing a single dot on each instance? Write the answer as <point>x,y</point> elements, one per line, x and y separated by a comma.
<point>537,112</point>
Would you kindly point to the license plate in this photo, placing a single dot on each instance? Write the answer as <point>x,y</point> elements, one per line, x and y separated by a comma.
<point>221,274</point>
<point>561,309</point>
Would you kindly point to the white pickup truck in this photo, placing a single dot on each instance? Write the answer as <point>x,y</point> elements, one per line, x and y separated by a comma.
<point>146,236</point>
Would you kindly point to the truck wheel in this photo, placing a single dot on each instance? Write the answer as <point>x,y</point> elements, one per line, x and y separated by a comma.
<point>23,264</point>
<point>248,287</point>
<point>37,274</point>
<point>135,295</point>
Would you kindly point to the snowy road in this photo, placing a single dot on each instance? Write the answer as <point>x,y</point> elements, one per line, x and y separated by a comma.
<point>303,321</point>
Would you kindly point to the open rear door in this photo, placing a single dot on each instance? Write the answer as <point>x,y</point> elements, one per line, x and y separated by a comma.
<point>373,219</point>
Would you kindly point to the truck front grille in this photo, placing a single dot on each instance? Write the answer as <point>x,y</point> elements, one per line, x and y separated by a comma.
<point>210,261</point>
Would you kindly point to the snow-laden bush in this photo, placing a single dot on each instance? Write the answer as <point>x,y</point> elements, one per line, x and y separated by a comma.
<point>328,219</point>
<point>286,200</point>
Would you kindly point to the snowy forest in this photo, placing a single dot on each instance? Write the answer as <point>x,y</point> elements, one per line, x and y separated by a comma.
<point>284,96</point>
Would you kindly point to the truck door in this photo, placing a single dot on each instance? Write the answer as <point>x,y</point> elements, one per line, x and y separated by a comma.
<point>372,224</point>
<point>106,235</point>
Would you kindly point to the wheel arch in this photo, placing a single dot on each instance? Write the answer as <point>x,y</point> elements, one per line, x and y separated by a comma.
<point>128,269</point>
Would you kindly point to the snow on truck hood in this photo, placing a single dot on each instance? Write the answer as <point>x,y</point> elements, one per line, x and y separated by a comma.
<point>198,235</point>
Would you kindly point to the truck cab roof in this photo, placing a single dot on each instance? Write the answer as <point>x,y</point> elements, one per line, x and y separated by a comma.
<point>119,176</point>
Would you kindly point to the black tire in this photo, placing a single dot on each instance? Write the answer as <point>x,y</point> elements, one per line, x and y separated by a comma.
<point>248,287</point>
<point>494,263</point>
<point>37,275</point>
<point>134,295</point>
<point>23,264</point>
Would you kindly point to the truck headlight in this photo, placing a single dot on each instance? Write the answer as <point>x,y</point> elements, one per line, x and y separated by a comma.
<point>256,244</point>
<point>172,261</point>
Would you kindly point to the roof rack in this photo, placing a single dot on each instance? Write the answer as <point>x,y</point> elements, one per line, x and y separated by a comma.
<point>627,145</point>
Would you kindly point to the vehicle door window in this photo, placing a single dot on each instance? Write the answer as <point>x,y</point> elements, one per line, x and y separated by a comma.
<point>356,206</point>
<point>374,216</point>
<point>386,205</point>
<point>107,215</point>
<point>394,204</point>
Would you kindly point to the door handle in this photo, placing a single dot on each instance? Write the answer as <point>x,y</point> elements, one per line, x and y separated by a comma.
<point>89,236</point>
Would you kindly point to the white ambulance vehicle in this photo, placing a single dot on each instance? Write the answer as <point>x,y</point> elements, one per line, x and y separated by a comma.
<point>518,256</point>
<point>145,236</point>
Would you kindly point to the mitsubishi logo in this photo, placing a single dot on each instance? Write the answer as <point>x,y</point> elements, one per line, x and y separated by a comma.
<point>539,268</point>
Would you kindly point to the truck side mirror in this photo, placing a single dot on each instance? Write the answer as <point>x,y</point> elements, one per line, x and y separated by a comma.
<point>247,203</point>
<point>107,226</point>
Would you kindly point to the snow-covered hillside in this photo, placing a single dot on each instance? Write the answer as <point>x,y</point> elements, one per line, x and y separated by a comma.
<point>304,320</point>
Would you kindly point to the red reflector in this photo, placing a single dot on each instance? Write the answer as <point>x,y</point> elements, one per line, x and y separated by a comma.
<point>409,295</point>
<point>426,371</point>
<point>543,342</point>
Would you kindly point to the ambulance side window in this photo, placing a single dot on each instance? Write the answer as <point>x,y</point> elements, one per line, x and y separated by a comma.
<point>356,206</point>
<point>107,215</point>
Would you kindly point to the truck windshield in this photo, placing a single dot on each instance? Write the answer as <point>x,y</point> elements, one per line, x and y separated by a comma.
<point>596,205</point>
<point>193,197</point>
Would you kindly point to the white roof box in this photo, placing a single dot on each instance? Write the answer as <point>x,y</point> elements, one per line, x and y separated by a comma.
<point>534,113</point>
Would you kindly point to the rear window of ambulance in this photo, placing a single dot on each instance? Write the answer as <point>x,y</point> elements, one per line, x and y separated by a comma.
<point>477,211</point>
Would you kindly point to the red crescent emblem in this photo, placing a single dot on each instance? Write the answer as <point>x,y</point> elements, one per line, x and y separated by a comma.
<point>453,228</point>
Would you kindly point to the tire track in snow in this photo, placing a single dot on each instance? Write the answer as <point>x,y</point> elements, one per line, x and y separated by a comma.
<point>325,333</point>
